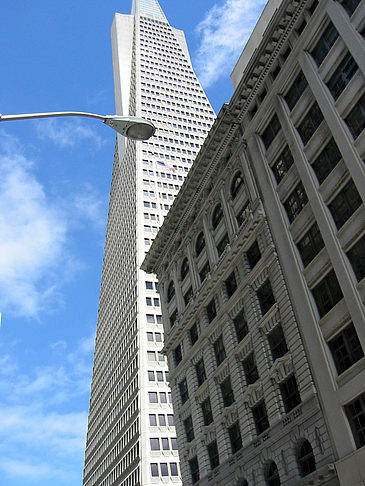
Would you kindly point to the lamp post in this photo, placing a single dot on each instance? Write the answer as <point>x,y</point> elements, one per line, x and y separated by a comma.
<point>128,126</point>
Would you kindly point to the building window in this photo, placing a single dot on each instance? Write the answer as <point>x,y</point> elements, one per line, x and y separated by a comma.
<point>305,459</point>
<point>355,412</point>
<point>310,123</point>
<point>240,325</point>
<point>356,118</point>
<point>170,420</point>
<point>184,392</point>
<point>345,71</point>
<point>345,204</point>
<point>235,437</point>
<point>272,477</point>
<point>200,372</point>
<point>189,429</point>
<point>213,454</point>
<point>271,131</point>
<point>155,444</point>
<point>219,350</point>
<point>277,342</point>
<point>204,272</point>
<point>227,392</point>
<point>188,296</point>
<point>243,214</point>
<point>250,369</point>
<point>295,202</point>
<point>153,421</point>
<point>324,44</point>
<point>162,420</point>
<point>327,293</point>
<point>207,411</point>
<point>326,161</point>
<point>282,164</point>
<point>296,90</point>
<point>350,6</point>
<point>170,291</point>
<point>231,284</point>
<point>184,268</point>
<point>236,184</point>
<point>152,397</point>
<point>217,216</point>
<point>356,255</point>
<point>211,310</point>
<point>310,245</point>
<point>194,469</point>
<point>266,297</point>
<point>154,470</point>
<point>173,318</point>
<point>222,244</point>
<point>290,393</point>
<point>177,354</point>
<point>345,348</point>
<point>253,254</point>
<point>164,470</point>
<point>260,417</point>
<point>193,332</point>
<point>173,469</point>
<point>200,243</point>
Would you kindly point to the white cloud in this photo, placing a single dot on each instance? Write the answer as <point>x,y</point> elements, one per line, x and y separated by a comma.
<point>224,32</point>
<point>26,470</point>
<point>88,206</point>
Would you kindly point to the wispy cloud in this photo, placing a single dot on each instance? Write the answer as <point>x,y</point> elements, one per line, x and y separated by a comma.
<point>67,133</point>
<point>223,34</point>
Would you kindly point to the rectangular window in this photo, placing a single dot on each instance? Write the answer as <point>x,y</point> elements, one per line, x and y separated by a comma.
<point>219,350</point>
<point>310,123</point>
<point>207,411</point>
<point>310,245</point>
<point>153,421</point>
<point>173,469</point>
<point>231,284</point>
<point>213,454</point>
<point>184,392</point>
<point>326,161</point>
<point>163,397</point>
<point>151,356</point>
<point>235,437</point>
<point>194,469</point>
<point>189,429</point>
<point>152,397</point>
<point>227,392</point>
<point>356,255</point>
<point>350,6</point>
<point>162,420</point>
<point>296,90</point>
<point>170,420</point>
<point>250,369</point>
<point>260,417</point>
<point>253,254</point>
<point>345,71</point>
<point>271,131</point>
<point>211,310</point>
<point>327,293</point>
<point>154,470</point>
<point>240,325</point>
<point>295,202</point>
<point>155,444</point>
<point>151,376</point>
<point>173,318</point>
<point>188,296</point>
<point>277,342</point>
<point>164,470</point>
<point>290,393</point>
<point>345,204</point>
<point>243,214</point>
<point>266,297</point>
<point>345,348</point>
<point>200,372</point>
<point>204,272</point>
<point>355,412</point>
<point>324,44</point>
<point>193,332</point>
<point>222,244</point>
<point>356,118</point>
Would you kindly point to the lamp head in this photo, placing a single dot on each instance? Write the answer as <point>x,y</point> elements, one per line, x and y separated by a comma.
<point>131,127</point>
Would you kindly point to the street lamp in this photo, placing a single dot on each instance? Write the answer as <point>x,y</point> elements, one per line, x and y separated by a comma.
<point>128,126</point>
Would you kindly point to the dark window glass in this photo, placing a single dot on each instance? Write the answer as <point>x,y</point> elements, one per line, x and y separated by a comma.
<point>282,164</point>
<point>227,392</point>
<point>213,454</point>
<point>260,417</point>
<point>350,6</point>
<point>253,254</point>
<point>207,411</point>
<point>164,470</point>
<point>188,296</point>
<point>184,268</point>
<point>222,244</point>
<point>345,348</point>
<point>290,393</point>
<point>250,369</point>
<point>170,420</point>
<point>162,420</point>
<point>217,216</point>
<point>305,458</point>
<point>211,310</point>
<point>271,131</point>
<point>174,444</point>
<point>296,90</point>
<point>324,44</point>
<point>153,421</point>
<point>193,331</point>
<point>277,342</point>
<point>200,372</point>
<point>154,470</point>
<point>204,272</point>
<point>301,27</point>
<point>355,412</point>
<point>152,397</point>
<point>236,185</point>
<point>310,123</point>
<point>165,444</point>
<point>356,255</point>
<point>155,444</point>
<point>327,293</point>
<point>184,392</point>
<point>200,243</point>
<point>326,161</point>
<point>235,437</point>
<point>173,318</point>
<point>189,429</point>
<point>313,7</point>
<point>240,325</point>
<point>295,202</point>
<point>177,354</point>
<point>170,291</point>
<point>345,204</point>
<point>243,214</point>
<point>173,469</point>
<point>266,297</point>
<point>219,350</point>
<point>163,398</point>
<point>345,71</point>
<point>151,376</point>
<point>272,477</point>
<point>356,118</point>
<point>194,469</point>
<point>311,244</point>
<point>231,285</point>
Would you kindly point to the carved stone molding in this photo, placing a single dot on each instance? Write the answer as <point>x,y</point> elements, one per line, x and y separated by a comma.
<point>253,394</point>
<point>282,368</point>
<point>270,319</point>
<point>229,416</point>
<point>222,373</point>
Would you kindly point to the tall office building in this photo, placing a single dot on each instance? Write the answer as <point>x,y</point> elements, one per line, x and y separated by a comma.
<point>131,436</point>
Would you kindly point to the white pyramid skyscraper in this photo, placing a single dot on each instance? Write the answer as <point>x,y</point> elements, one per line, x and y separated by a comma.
<point>131,437</point>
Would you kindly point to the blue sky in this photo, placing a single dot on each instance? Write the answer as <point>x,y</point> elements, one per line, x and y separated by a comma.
<point>54,187</point>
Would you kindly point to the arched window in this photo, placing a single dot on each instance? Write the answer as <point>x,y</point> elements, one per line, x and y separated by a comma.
<point>272,477</point>
<point>236,184</point>
<point>200,243</point>
<point>305,458</point>
<point>170,291</point>
<point>184,268</point>
<point>217,216</point>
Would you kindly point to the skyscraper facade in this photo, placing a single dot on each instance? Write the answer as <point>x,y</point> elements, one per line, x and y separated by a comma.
<point>131,435</point>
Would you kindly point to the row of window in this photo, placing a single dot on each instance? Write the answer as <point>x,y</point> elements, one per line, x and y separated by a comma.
<point>159,376</point>
<point>164,469</point>
<point>162,420</point>
<point>160,397</point>
<point>163,444</point>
